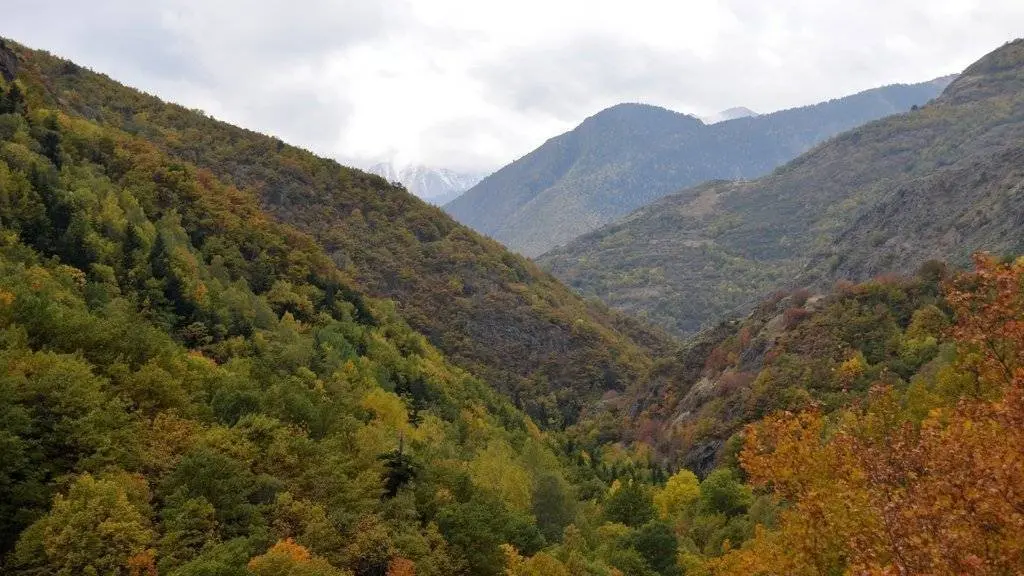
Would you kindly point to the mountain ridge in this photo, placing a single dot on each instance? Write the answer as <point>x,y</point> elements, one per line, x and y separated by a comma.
<point>491,312</point>
<point>631,154</point>
<point>852,207</point>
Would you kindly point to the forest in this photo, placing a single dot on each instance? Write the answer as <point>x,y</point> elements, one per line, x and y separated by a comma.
<point>491,312</point>
<point>191,384</point>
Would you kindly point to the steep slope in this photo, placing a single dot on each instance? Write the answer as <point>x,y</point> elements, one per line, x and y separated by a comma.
<point>188,386</point>
<point>937,182</point>
<point>630,155</point>
<point>492,312</point>
<point>438,186</point>
<point>788,354</point>
<point>188,382</point>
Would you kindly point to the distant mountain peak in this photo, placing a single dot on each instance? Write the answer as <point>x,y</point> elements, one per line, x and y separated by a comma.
<point>730,114</point>
<point>937,182</point>
<point>435,185</point>
<point>630,111</point>
<point>631,154</point>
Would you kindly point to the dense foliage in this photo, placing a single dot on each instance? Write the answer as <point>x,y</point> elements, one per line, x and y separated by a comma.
<point>190,387</point>
<point>793,352</point>
<point>185,382</point>
<point>630,155</point>
<point>923,479</point>
<point>886,426</point>
<point>491,312</point>
<point>938,182</point>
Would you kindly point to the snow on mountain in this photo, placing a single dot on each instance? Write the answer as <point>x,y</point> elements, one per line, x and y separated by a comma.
<point>730,114</point>
<point>435,185</point>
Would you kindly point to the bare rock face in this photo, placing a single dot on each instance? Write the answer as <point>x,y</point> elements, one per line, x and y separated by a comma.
<point>8,62</point>
<point>703,457</point>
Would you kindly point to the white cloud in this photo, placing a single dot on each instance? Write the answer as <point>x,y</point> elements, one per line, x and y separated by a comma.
<point>472,85</point>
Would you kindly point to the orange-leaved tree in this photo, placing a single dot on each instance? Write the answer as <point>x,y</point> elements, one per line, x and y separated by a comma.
<point>873,491</point>
<point>286,558</point>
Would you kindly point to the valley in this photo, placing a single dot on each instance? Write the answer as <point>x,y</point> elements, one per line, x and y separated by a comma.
<point>787,343</point>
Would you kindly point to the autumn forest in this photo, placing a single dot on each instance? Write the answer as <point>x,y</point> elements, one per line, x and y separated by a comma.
<point>221,355</point>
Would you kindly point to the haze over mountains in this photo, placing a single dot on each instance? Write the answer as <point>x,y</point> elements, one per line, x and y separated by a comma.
<point>938,182</point>
<point>438,186</point>
<point>627,156</point>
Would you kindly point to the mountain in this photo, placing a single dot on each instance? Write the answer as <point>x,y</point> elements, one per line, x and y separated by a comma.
<point>190,385</point>
<point>867,393</point>
<point>438,186</point>
<point>938,182</point>
<point>632,154</point>
<point>491,312</point>
<point>729,114</point>
<point>207,383</point>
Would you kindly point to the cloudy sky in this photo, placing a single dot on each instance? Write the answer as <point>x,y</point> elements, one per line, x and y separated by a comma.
<point>471,84</point>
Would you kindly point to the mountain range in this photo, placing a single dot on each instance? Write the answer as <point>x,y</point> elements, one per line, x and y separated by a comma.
<point>490,311</point>
<point>937,182</point>
<point>223,355</point>
<point>438,186</point>
<point>629,155</point>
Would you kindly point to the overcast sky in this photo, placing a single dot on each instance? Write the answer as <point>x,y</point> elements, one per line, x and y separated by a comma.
<point>473,84</point>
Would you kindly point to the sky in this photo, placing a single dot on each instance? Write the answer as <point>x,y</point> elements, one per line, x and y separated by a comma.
<point>471,85</point>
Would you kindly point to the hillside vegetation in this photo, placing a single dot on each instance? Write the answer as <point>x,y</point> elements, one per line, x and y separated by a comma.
<point>629,155</point>
<point>894,403</point>
<point>185,382</point>
<point>939,182</point>
<point>490,311</point>
<point>191,387</point>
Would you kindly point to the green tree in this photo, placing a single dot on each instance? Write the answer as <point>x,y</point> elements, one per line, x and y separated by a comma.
<point>478,527</point>
<point>220,480</point>
<point>189,525</point>
<point>723,492</point>
<point>95,529</point>
<point>681,490</point>
<point>656,542</point>
<point>553,506</point>
<point>630,504</point>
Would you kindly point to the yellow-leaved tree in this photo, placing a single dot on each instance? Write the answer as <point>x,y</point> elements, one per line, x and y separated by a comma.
<point>884,493</point>
<point>286,558</point>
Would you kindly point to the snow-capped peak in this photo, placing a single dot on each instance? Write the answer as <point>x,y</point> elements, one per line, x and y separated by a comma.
<point>729,114</point>
<point>435,185</point>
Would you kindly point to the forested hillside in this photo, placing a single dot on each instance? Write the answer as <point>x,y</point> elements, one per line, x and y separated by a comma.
<point>490,311</point>
<point>188,387</point>
<point>923,476</point>
<point>942,181</point>
<point>630,155</point>
<point>191,387</point>
<point>877,428</point>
